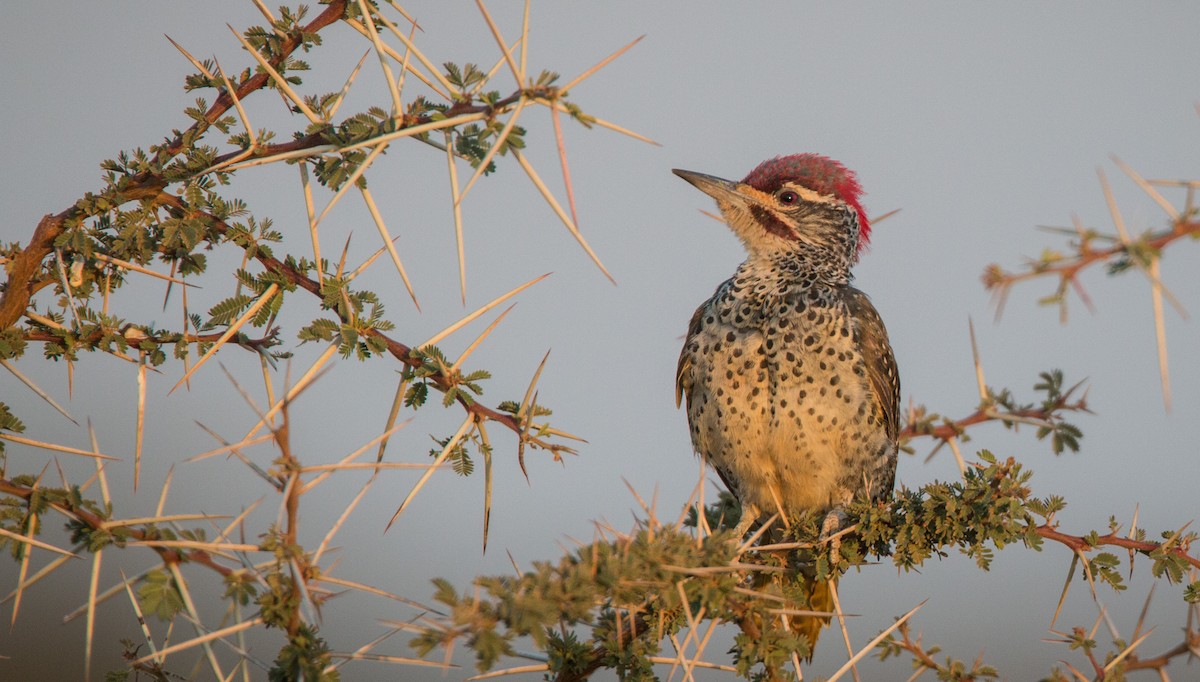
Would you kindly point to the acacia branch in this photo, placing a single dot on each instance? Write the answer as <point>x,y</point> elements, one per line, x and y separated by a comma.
<point>396,349</point>
<point>169,555</point>
<point>24,267</point>
<point>601,655</point>
<point>997,280</point>
<point>317,139</point>
<point>950,429</point>
<point>1079,543</point>
<point>1190,643</point>
<point>920,656</point>
<point>269,340</point>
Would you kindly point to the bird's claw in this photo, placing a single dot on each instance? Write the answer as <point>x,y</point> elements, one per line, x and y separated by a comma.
<point>743,527</point>
<point>832,523</point>
<point>750,516</point>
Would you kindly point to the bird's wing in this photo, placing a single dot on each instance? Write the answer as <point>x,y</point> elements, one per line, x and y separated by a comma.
<point>872,340</point>
<point>683,381</point>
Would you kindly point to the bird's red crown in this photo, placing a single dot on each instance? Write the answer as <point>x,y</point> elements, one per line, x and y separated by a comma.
<point>819,173</point>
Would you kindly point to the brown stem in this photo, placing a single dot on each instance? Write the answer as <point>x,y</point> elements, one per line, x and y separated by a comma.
<point>916,649</point>
<point>1067,269</point>
<point>1191,641</point>
<point>169,555</point>
<point>291,468</point>
<point>1079,544</point>
<point>317,139</point>
<point>24,267</point>
<point>947,431</point>
<point>396,349</point>
<point>262,342</point>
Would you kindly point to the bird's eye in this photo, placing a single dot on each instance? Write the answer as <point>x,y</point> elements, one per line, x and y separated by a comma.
<point>788,198</point>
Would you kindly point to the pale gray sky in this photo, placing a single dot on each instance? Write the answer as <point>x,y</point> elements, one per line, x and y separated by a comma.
<point>979,122</point>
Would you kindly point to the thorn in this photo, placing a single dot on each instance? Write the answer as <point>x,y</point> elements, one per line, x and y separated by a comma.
<point>983,393</point>
<point>500,41</point>
<point>600,65</point>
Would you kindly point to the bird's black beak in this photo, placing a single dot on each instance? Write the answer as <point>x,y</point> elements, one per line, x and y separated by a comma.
<point>717,188</point>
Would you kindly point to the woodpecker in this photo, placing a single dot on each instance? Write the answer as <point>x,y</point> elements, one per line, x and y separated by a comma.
<point>791,385</point>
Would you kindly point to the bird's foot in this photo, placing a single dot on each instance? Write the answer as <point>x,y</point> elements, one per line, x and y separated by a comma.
<point>749,517</point>
<point>743,527</point>
<point>833,522</point>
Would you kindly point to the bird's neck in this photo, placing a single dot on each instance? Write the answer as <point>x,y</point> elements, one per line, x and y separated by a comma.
<point>801,268</point>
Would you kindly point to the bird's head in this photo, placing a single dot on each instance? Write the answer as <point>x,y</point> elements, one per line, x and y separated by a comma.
<point>798,202</point>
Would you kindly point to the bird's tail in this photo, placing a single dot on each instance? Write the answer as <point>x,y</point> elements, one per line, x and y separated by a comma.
<point>820,598</point>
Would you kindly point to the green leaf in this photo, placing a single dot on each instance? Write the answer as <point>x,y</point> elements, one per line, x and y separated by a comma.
<point>228,310</point>
<point>159,595</point>
<point>1191,594</point>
